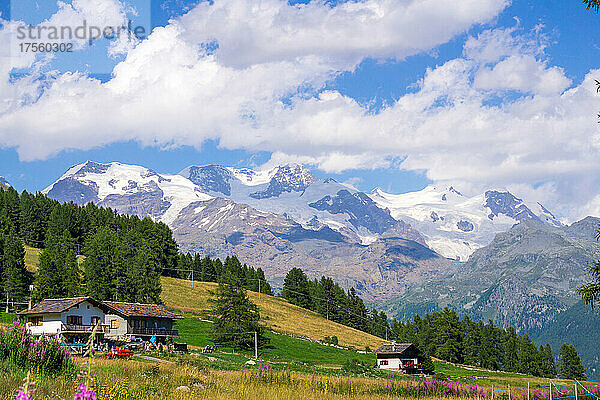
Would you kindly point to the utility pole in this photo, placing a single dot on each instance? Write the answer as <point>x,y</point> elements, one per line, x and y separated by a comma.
<point>7,302</point>
<point>327,310</point>
<point>256,345</point>
<point>259,289</point>
<point>192,279</point>
<point>30,296</point>
<point>386,334</point>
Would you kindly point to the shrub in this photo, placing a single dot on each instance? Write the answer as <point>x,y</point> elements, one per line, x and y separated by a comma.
<point>355,367</point>
<point>331,340</point>
<point>22,350</point>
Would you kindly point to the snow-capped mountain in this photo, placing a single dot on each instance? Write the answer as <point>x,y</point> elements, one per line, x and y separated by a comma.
<point>129,189</point>
<point>382,244</point>
<point>4,182</point>
<point>456,225</point>
<point>292,190</point>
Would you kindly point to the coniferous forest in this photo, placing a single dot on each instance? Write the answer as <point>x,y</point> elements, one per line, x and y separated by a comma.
<point>439,334</point>
<point>123,256</point>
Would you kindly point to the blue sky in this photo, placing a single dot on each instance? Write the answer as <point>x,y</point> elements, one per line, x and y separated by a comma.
<point>561,37</point>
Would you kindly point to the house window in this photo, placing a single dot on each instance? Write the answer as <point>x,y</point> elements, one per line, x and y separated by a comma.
<point>114,324</point>
<point>74,320</point>
<point>35,321</point>
<point>383,362</point>
<point>95,321</point>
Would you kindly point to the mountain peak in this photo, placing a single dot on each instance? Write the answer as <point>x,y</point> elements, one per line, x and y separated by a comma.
<point>286,178</point>
<point>211,178</point>
<point>4,182</point>
<point>295,174</point>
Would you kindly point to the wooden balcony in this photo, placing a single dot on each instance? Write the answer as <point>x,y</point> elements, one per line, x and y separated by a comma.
<point>81,328</point>
<point>153,332</point>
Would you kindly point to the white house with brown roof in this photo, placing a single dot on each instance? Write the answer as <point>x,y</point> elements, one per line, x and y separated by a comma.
<point>401,357</point>
<point>73,319</point>
<point>70,318</point>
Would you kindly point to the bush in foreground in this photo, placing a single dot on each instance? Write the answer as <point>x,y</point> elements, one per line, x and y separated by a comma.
<point>21,350</point>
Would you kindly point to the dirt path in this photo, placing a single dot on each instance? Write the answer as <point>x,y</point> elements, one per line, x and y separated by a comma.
<point>149,358</point>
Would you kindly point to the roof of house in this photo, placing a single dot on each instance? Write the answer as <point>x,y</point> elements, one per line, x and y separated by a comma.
<point>394,348</point>
<point>53,306</point>
<point>140,310</point>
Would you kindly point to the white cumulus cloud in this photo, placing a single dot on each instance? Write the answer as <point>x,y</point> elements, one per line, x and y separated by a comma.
<point>250,74</point>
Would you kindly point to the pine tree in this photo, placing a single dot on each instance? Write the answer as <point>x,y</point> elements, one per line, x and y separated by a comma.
<point>448,326</point>
<point>208,272</point>
<point>528,357</point>
<point>265,287</point>
<point>427,365</point>
<point>144,277</point>
<point>548,365</point>
<point>236,317</point>
<point>510,346</point>
<point>16,279</point>
<point>101,264</point>
<point>570,363</point>
<point>58,271</point>
<point>296,289</point>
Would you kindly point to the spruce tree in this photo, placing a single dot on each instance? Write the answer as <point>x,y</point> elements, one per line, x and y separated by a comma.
<point>570,363</point>
<point>236,317</point>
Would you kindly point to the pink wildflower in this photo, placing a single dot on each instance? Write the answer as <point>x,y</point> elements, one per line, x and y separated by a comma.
<point>84,393</point>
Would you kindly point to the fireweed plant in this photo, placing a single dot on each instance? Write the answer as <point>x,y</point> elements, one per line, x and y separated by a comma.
<point>45,355</point>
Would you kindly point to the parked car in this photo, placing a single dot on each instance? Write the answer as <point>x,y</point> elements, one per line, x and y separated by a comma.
<point>135,344</point>
<point>119,353</point>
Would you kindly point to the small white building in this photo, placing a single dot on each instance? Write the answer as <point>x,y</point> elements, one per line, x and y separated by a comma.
<point>400,357</point>
<point>71,319</point>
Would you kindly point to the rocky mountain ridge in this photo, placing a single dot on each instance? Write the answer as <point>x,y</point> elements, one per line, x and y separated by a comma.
<point>525,278</point>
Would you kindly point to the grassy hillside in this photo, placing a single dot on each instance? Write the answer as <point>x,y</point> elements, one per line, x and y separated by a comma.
<point>275,313</point>
<point>32,258</point>
<point>281,348</point>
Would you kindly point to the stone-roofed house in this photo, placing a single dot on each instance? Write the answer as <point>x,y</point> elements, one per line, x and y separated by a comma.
<point>128,320</point>
<point>403,357</point>
<point>71,319</point>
